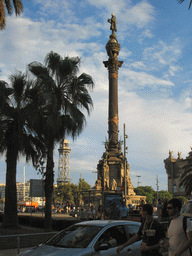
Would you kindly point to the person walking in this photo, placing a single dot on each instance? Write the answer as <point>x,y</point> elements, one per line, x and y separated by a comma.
<point>124,211</point>
<point>115,212</point>
<point>164,214</point>
<point>100,215</point>
<point>159,209</point>
<point>151,231</point>
<point>91,214</point>
<point>179,231</point>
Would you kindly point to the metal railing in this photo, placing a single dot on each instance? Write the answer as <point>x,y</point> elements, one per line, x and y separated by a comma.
<point>24,240</point>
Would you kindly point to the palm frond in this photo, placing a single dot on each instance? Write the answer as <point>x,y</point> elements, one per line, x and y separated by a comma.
<point>186,176</point>
<point>2,15</point>
<point>18,82</point>
<point>9,6</point>
<point>181,1</point>
<point>86,80</point>
<point>18,6</point>
<point>43,75</point>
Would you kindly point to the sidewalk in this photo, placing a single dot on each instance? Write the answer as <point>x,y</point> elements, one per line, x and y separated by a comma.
<point>5,242</point>
<point>12,252</point>
<point>20,230</point>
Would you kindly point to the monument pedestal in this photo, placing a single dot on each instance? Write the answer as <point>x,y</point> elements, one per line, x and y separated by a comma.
<point>111,176</point>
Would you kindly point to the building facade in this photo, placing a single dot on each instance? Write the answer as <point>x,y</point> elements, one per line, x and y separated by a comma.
<point>174,169</point>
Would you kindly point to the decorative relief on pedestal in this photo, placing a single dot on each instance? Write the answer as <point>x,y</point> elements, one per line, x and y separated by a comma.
<point>114,185</point>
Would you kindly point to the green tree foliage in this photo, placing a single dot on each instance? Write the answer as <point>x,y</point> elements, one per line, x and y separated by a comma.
<point>19,135</point>
<point>151,195</point>
<point>6,6</point>
<point>83,185</point>
<point>63,193</point>
<point>162,194</point>
<point>146,191</point>
<point>183,199</point>
<point>70,192</point>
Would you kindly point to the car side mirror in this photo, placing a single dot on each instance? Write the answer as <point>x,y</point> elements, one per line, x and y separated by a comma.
<point>102,247</point>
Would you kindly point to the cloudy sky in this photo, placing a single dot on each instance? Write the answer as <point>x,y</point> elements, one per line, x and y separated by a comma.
<point>155,96</point>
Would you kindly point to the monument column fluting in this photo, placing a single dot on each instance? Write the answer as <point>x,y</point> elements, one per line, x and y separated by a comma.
<point>113,64</point>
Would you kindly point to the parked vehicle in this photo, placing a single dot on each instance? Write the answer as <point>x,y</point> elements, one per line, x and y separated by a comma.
<point>90,238</point>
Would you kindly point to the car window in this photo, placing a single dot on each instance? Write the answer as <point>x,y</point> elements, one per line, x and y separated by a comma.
<point>133,229</point>
<point>77,236</point>
<point>113,236</point>
<point>187,209</point>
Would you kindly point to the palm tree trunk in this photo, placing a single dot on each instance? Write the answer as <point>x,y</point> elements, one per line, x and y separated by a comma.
<point>10,218</point>
<point>49,189</point>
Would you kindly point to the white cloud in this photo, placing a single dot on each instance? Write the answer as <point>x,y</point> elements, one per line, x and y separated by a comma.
<point>147,33</point>
<point>173,70</point>
<point>165,54</point>
<point>138,65</point>
<point>140,14</point>
<point>142,79</point>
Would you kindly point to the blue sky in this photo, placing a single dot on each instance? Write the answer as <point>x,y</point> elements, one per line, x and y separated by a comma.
<point>155,96</point>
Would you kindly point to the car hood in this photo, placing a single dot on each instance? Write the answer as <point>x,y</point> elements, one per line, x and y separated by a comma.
<point>55,251</point>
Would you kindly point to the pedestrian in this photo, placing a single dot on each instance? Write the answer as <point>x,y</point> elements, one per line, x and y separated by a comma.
<point>91,214</point>
<point>151,231</point>
<point>164,214</point>
<point>159,209</point>
<point>124,211</point>
<point>100,215</point>
<point>115,212</point>
<point>179,232</point>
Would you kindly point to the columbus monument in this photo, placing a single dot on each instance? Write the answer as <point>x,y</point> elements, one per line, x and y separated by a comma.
<point>111,168</point>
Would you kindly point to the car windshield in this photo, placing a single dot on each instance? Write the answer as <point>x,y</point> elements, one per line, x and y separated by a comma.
<point>187,209</point>
<point>76,236</point>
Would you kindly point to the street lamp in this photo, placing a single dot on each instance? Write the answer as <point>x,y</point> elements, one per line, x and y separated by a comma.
<point>125,166</point>
<point>138,176</point>
<point>95,174</point>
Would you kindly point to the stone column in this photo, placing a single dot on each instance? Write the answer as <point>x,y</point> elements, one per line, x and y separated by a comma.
<point>113,64</point>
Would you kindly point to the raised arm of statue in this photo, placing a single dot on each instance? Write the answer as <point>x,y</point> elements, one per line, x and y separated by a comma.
<point>113,22</point>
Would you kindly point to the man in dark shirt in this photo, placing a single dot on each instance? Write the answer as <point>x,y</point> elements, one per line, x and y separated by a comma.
<point>151,231</point>
<point>115,213</point>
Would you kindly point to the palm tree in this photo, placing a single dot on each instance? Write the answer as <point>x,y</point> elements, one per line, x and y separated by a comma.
<point>17,136</point>
<point>186,177</point>
<point>7,5</point>
<point>64,95</point>
<point>181,1</point>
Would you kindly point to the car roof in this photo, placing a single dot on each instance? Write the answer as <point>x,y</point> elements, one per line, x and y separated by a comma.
<point>104,223</point>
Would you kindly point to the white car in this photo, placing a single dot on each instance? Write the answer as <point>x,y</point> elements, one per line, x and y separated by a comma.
<point>90,238</point>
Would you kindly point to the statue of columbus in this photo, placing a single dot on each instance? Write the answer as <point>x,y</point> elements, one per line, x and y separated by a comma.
<point>113,22</point>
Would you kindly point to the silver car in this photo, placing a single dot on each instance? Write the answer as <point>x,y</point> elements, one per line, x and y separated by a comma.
<point>89,238</point>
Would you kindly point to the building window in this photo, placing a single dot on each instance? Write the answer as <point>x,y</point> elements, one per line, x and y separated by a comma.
<point>174,188</point>
<point>181,189</point>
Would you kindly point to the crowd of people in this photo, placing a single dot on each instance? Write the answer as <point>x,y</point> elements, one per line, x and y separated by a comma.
<point>177,239</point>
<point>113,213</point>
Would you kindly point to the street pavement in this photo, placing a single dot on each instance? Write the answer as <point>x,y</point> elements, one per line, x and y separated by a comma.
<point>9,238</point>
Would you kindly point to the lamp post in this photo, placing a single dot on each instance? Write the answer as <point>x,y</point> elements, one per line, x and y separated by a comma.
<point>95,174</point>
<point>138,176</point>
<point>125,166</point>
